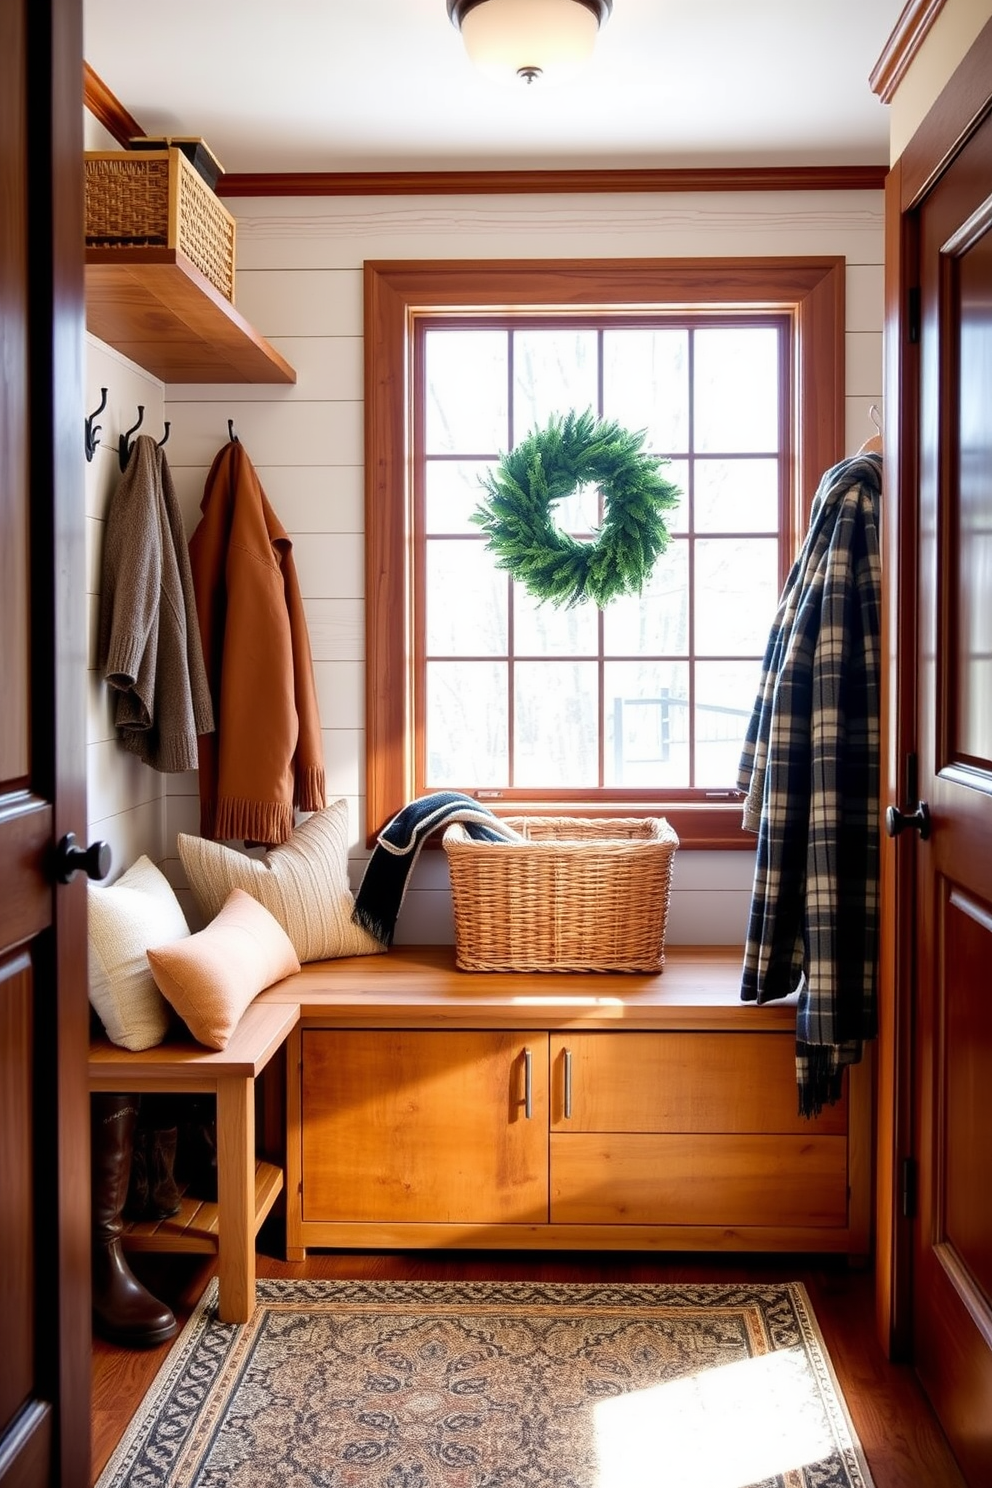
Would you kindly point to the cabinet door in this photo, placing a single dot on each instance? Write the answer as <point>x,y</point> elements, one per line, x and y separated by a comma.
<point>689,1128</point>
<point>425,1126</point>
<point>681,1082</point>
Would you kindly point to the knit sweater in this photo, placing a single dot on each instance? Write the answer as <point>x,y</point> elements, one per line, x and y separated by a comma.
<point>266,757</point>
<point>149,641</point>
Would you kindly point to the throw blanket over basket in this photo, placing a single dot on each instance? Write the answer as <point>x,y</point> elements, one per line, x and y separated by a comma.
<point>569,895</point>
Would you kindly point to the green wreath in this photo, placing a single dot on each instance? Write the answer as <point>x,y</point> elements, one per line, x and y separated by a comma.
<point>548,465</point>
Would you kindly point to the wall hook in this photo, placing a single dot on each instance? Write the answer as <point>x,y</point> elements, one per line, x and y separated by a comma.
<point>230,432</point>
<point>92,429</point>
<point>875,417</point>
<point>124,444</point>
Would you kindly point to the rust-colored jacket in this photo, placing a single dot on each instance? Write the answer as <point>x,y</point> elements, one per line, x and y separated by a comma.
<point>266,756</point>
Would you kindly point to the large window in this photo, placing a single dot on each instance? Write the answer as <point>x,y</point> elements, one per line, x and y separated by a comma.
<point>641,707</point>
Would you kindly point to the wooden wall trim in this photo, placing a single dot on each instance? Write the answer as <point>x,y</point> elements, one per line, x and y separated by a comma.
<point>957,113</point>
<point>900,541</point>
<point>908,36</point>
<point>552,182</point>
<point>108,109</point>
<point>811,289</point>
<point>114,117</point>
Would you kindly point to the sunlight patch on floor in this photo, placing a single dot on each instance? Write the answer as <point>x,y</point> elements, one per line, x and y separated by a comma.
<point>723,1428</point>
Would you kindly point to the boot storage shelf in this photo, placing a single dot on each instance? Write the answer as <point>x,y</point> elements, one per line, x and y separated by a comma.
<point>429,1107</point>
<point>246,1187</point>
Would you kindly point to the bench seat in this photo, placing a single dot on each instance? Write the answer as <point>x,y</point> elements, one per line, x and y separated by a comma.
<point>246,1188</point>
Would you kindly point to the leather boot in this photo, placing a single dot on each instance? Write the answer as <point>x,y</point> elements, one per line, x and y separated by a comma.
<point>197,1159</point>
<point>152,1191</point>
<point>124,1311</point>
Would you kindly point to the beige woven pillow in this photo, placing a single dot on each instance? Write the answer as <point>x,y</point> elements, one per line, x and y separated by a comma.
<point>210,978</point>
<point>125,918</point>
<point>303,882</point>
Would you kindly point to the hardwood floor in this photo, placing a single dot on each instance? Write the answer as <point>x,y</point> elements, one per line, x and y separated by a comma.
<point>899,1434</point>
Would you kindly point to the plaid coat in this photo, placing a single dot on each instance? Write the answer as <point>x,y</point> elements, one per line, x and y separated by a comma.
<point>810,771</point>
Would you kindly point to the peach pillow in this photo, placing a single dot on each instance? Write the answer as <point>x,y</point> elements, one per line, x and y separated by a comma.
<point>211,977</point>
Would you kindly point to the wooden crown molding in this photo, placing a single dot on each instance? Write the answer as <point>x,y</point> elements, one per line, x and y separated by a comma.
<point>117,121</point>
<point>108,109</point>
<point>549,182</point>
<point>902,46</point>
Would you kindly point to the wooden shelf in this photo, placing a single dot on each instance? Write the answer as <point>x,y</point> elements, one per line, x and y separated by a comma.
<point>154,306</point>
<point>195,1229</point>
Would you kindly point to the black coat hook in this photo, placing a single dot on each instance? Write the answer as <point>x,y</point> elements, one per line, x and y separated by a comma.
<point>92,429</point>
<point>230,432</point>
<point>124,445</point>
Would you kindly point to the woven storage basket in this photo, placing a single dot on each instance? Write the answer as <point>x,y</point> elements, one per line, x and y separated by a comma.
<point>156,199</point>
<point>574,895</point>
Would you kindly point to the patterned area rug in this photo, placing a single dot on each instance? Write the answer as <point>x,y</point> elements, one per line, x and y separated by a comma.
<point>340,1384</point>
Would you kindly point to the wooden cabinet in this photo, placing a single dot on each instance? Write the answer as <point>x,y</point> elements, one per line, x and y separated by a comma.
<point>448,1128</point>
<point>436,1108</point>
<point>690,1129</point>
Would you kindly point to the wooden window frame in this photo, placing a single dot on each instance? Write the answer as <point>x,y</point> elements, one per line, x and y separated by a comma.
<point>810,290</point>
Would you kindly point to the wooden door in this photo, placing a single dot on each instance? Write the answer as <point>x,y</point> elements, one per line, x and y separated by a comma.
<point>428,1127</point>
<point>952,1261</point>
<point>44,1162</point>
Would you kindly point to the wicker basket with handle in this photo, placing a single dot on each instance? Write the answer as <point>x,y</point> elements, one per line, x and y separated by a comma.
<point>572,895</point>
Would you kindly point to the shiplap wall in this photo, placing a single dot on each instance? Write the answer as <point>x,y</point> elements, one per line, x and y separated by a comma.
<point>299,282</point>
<point>126,800</point>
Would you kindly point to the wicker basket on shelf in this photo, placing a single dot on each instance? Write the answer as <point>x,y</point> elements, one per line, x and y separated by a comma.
<point>573,895</point>
<point>157,199</point>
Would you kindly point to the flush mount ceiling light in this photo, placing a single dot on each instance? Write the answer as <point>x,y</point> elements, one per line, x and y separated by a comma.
<point>529,40</point>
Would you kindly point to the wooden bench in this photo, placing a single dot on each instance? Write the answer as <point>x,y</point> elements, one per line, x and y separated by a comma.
<point>246,1188</point>
<point>430,1107</point>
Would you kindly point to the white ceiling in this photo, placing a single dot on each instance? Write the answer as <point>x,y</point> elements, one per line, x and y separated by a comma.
<point>337,85</point>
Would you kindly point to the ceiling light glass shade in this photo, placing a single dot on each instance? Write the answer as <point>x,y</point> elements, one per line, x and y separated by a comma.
<point>529,40</point>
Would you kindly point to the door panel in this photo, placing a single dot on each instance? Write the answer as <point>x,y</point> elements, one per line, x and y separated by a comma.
<point>965,1196</point>
<point>44,1166</point>
<point>17,1200</point>
<point>971,659</point>
<point>952,1285</point>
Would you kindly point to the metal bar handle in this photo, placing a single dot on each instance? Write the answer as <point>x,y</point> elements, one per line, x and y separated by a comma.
<point>568,1084</point>
<point>528,1084</point>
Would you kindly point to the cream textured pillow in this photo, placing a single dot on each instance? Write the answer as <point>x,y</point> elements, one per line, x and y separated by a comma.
<point>303,882</point>
<point>210,977</point>
<point>125,918</point>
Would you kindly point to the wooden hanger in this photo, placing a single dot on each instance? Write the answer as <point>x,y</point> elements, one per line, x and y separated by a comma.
<point>873,446</point>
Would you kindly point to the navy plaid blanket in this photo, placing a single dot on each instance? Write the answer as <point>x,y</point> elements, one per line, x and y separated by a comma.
<point>387,874</point>
<point>810,771</point>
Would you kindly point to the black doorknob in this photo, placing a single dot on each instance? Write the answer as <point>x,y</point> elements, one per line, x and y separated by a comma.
<point>71,859</point>
<point>897,821</point>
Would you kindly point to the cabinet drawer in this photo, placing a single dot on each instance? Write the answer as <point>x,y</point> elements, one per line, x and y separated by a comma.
<point>724,1180</point>
<point>416,1127</point>
<point>681,1082</point>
